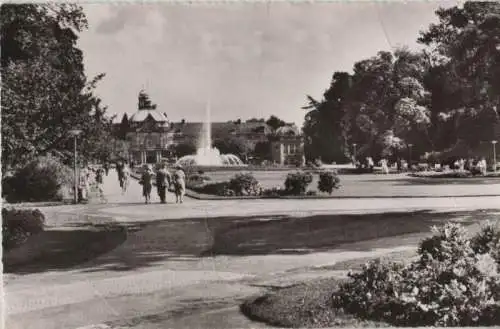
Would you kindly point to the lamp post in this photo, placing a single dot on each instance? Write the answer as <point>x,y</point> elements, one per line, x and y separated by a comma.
<point>75,133</point>
<point>354,152</point>
<point>493,143</point>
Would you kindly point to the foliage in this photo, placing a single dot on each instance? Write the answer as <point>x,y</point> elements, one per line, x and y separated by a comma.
<point>19,224</point>
<point>328,180</point>
<point>274,122</point>
<point>237,146</point>
<point>454,282</point>
<point>183,149</point>
<point>218,188</point>
<point>443,174</point>
<point>297,183</point>
<point>144,103</point>
<point>262,150</point>
<point>244,184</point>
<point>449,91</point>
<point>45,92</point>
<point>39,180</point>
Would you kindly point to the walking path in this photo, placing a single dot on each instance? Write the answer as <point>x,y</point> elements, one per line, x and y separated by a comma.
<point>181,292</point>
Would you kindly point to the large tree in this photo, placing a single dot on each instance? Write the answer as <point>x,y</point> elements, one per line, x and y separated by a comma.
<point>466,42</point>
<point>45,92</point>
<point>383,97</point>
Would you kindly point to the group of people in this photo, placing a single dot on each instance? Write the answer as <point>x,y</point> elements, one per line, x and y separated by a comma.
<point>90,176</point>
<point>165,181</point>
<point>472,165</point>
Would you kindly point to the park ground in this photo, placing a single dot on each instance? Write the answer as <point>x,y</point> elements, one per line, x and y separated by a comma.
<point>125,264</point>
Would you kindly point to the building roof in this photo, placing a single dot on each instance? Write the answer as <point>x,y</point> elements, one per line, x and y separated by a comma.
<point>222,128</point>
<point>141,115</point>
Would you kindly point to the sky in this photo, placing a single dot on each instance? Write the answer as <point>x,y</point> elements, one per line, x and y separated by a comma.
<point>245,59</point>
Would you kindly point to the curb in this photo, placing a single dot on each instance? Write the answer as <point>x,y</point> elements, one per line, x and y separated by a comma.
<point>197,196</point>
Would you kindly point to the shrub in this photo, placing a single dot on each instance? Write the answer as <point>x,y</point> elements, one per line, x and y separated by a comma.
<point>454,282</point>
<point>244,184</point>
<point>220,189</point>
<point>328,180</point>
<point>39,180</point>
<point>18,225</point>
<point>296,183</point>
<point>196,180</point>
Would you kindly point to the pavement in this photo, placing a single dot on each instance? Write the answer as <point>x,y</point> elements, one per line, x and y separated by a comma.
<point>183,291</point>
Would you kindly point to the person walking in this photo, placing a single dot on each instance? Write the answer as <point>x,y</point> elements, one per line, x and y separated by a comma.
<point>179,184</point>
<point>147,183</point>
<point>163,180</point>
<point>124,177</point>
<point>99,182</point>
<point>106,168</point>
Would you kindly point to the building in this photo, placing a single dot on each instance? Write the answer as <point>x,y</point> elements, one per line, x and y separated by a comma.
<point>287,146</point>
<point>148,136</point>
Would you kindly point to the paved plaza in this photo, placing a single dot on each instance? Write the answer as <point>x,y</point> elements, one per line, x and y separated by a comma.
<point>144,280</point>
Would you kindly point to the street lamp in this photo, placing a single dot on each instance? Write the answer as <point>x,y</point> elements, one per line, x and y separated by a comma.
<point>354,145</point>
<point>75,133</point>
<point>493,143</point>
<point>409,150</point>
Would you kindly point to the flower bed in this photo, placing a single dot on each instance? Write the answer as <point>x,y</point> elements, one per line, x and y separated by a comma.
<point>452,174</point>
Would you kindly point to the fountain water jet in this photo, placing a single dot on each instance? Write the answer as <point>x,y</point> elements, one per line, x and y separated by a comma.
<point>206,155</point>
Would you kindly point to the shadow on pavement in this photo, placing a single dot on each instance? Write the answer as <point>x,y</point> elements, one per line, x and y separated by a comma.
<point>328,232</point>
<point>120,247</point>
<point>60,249</point>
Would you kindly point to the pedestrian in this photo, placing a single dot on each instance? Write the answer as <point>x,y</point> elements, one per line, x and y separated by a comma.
<point>147,183</point>
<point>99,181</point>
<point>124,177</point>
<point>163,181</point>
<point>179,184</point>
<point>106,168</point>
<point>383,164</point>
<point>83,185</point>
<point>483,166</point>
<point>119,171</point>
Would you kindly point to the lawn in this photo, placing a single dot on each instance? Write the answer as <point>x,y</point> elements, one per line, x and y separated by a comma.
<point>372,185</point>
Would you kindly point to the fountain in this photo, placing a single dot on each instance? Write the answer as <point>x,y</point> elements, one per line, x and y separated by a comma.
<point>206,155</point>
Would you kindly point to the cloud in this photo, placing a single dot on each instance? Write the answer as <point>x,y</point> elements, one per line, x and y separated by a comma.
<point>250,59</point>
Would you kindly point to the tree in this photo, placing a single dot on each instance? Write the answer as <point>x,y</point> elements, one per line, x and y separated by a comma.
<point>384,96</point>
<point>256,120</point>
<point>237,146</point>
<point>323,126</point>
<point>274,122</point>
<point>123,128</point>
<point>262,150</point>
<point>144,102</point>
<point>182,149</point>
<point>466,41</point>
<point>45,92</point>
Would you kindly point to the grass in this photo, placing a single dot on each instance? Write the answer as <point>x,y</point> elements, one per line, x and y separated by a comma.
<point>373,186</point>
<point>309,304</point>
<point>306,305</point>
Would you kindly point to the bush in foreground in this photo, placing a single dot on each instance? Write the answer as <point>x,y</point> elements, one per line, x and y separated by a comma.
<point>297,183</point>
<point>328,181</point>
<point>18,225</point>
<point>39,180</point>
<point>454,282</point>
